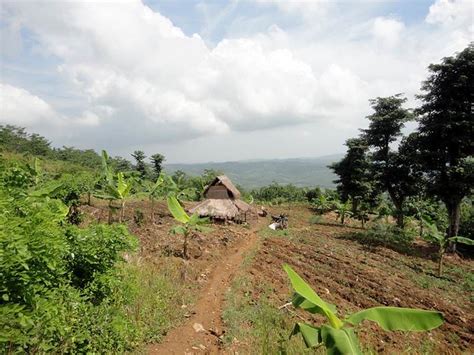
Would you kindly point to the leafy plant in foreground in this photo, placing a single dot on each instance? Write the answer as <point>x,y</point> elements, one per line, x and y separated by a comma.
<point>189,224</point>
<point>338,334</point>
<point>439,238</point>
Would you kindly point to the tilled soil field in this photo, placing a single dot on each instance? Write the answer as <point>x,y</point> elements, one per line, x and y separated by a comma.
<point>353,277</point>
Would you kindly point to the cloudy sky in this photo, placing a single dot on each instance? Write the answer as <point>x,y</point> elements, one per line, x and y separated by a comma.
<point>215,80</point>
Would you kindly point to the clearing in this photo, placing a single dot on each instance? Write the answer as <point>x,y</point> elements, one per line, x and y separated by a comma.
<point>235,284</point>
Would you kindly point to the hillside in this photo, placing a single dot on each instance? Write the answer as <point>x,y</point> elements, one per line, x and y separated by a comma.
<point>257,173</point>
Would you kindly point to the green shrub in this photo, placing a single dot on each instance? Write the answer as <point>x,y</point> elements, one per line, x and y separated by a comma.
<point>60,286</point>
<point>388,235</point>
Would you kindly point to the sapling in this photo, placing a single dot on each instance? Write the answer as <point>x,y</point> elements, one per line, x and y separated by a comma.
<point>119,190</point>
<point>343,210</point>
<point>189,224</point>
<point>338,335</point>
<point>434,235</point>
<point>321,204</point>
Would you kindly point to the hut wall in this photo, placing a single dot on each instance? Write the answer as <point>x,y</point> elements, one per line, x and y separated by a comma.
<point>217,192</point>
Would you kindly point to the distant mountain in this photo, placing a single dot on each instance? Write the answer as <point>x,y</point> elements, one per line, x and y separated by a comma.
<point>256,173</point>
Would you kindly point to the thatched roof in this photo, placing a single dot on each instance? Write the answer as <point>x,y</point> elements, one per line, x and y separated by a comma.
<point>218,208</point>
<point>221,208</point>
<point>225,181</point>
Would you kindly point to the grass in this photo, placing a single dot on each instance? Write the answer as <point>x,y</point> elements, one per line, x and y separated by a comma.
<point>154,303</point>
<point>257,326</point>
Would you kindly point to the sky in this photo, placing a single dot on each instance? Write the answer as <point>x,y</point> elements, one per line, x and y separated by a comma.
<point>203,81</point>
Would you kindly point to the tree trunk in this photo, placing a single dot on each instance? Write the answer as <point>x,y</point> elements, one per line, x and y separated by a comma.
<point>89,199</point>
<point>122,210</point>
<point>398,202</point>
<point>152,214</point>
<point>185,246</point>
<point>400,219</point>
<point>110,212</point>
<point>454,217</point>
<point>355,204</point>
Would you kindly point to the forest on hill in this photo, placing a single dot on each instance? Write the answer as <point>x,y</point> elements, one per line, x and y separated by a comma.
<point>301,172</point>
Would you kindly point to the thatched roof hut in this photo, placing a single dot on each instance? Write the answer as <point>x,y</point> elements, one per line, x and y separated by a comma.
<point>222,201</point>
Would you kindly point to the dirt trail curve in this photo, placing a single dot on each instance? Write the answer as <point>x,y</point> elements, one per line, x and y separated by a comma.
<point>188,338</point>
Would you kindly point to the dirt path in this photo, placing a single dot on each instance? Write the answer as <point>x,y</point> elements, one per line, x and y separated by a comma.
<point>189,338</point>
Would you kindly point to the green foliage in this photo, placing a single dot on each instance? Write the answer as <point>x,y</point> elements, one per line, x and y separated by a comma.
<point>445,132</point>
<point>466,227</point>
<point>322,204</point>
<point>338,336</point>
<point>278,194</point>
<point>355,180</point>
<point>312,194</point>
<point>434,236</point>
<point>189,224</point>
<point>58,280</point>
<point>393,171</point>
<point>343,210</point>
<point>157,163</point>
<point>95,250</point>
<point>387,235</point>
<point>140,165</point>
<point>115,188</point>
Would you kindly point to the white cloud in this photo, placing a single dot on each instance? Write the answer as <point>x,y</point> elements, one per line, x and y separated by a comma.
<point>143,80</point>
<point>305,8</point>
<point>19,107</point>
<point>144,69</point>
<point>387,31</point>
<point>448,12</point>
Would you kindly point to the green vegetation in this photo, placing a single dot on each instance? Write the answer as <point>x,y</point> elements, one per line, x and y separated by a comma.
<point>116,188</point>
<point>74,287</point>
<point>66,288</point>
<point>338,335</point>
<point>189,224</point>
<point>432,165</point>
<point>437,237</point>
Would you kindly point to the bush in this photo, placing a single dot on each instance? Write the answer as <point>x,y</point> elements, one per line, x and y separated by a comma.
<point>60,284</point>
<point>279,193</point>
<point>389,236</point>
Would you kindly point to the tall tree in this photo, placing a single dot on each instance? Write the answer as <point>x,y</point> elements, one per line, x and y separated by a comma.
<point>388,165</point>
<point>446,131</point>
<point>157,161</point>
<point>355,182</point>
<point>140,165</point>
<point>120,164</point>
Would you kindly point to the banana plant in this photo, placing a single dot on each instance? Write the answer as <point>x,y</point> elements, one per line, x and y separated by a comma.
<point>338,335</point>
<point>189,224</point>
<point>114,190</point>
<point>343,210</point>
<point>154,191</point>
<point>322,204</point>
<point>435,236</point>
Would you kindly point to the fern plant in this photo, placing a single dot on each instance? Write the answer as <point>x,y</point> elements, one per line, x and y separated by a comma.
<point>338,335</point>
